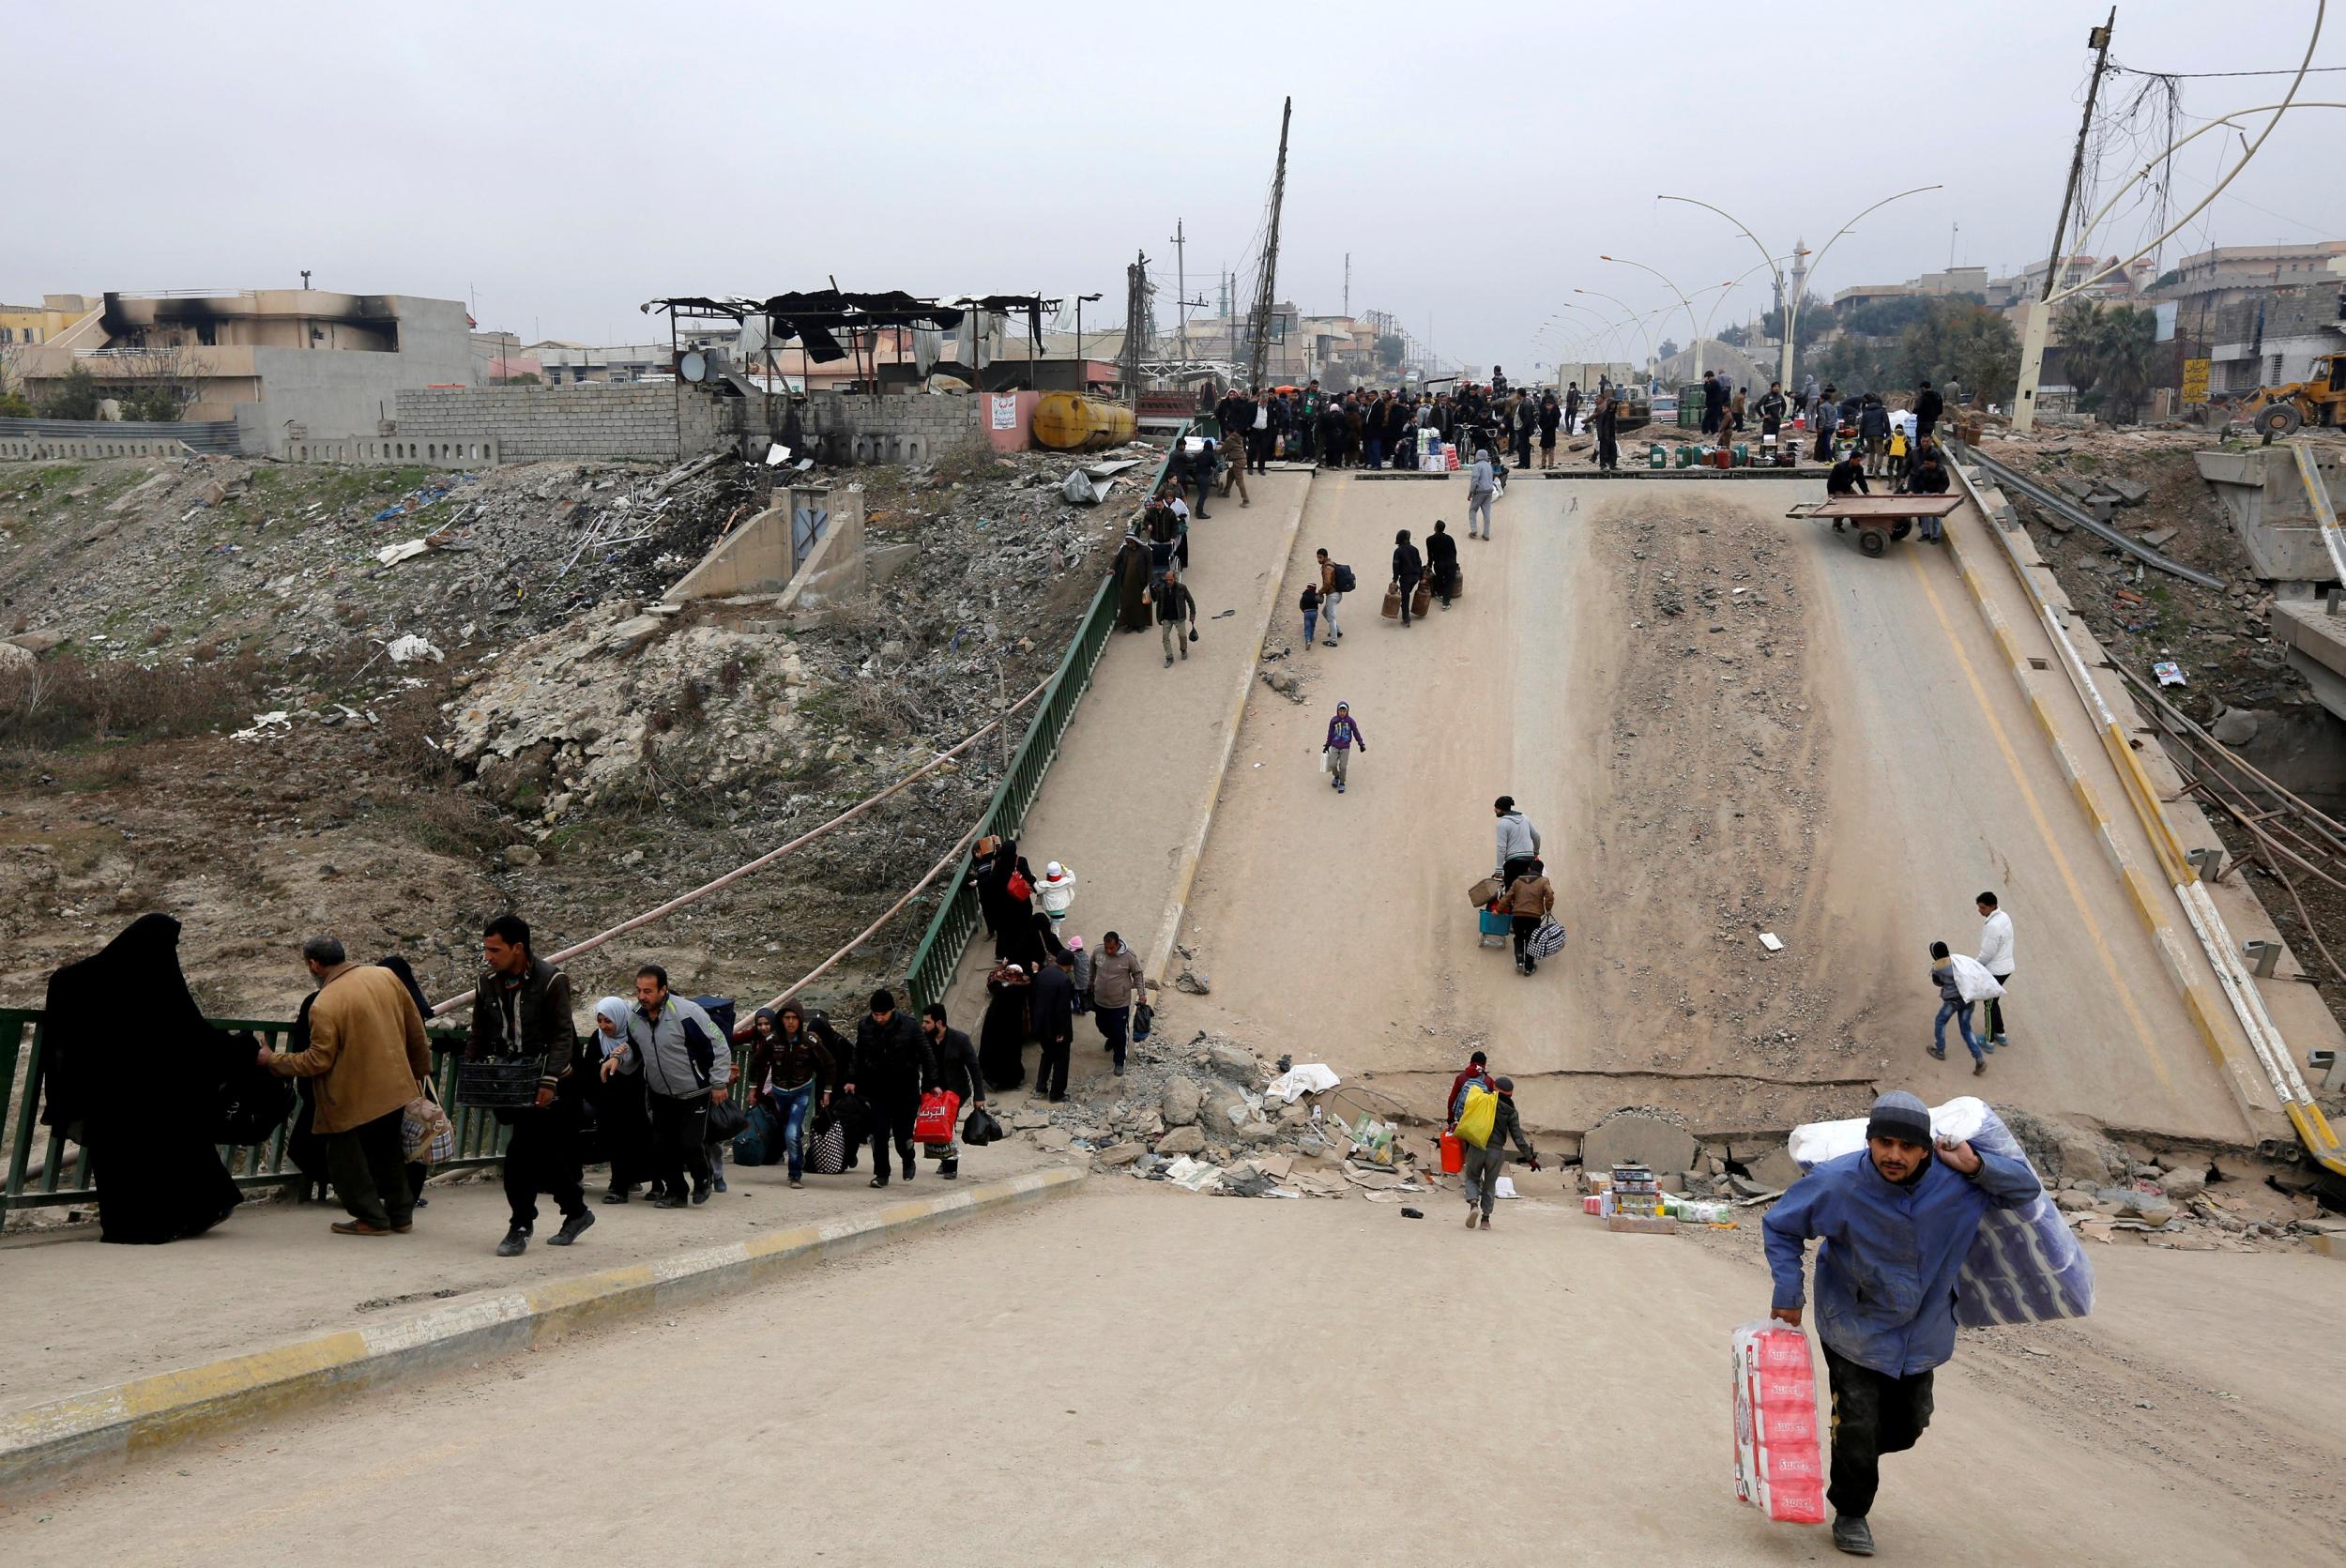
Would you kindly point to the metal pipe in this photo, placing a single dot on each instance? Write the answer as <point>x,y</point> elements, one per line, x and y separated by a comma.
<point>2053,501</point>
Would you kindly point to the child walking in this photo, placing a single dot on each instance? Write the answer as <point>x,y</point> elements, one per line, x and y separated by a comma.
<point>1951,1005</point>
<point>1309,604</point>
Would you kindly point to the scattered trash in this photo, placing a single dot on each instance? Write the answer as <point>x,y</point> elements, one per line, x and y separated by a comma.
<point>1770,941</point>
<point>409,649</point>
<point>1414,1213</point>
<point>272,725</point>
<point>391,554</point>
<point>1312,1078</point>
<point>2168,673</point>
<point>430,496</point>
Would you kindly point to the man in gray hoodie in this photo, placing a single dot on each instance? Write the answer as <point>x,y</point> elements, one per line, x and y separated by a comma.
<point>1518,841</point>
<point>686,1060</point>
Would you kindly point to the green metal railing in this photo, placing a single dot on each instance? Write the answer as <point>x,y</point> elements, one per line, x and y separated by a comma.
<point>956,920</point>
<point>479,1141</point>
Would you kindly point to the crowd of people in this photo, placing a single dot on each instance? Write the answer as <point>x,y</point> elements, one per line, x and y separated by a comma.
<point>653,1076</point>
<point>1387,427</point>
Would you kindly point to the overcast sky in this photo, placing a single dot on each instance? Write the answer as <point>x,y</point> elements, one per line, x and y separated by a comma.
<point>560,164</point>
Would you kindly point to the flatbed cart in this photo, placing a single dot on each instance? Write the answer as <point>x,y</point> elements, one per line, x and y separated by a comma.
<point>1880,519</point>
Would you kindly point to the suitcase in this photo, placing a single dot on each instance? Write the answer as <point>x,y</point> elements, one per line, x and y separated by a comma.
<point>1496,926</point>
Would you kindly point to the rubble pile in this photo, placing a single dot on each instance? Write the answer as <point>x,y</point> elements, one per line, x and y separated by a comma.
<point>1206,1114</point>
<point>208,555</point>
<point>2184,1200</point>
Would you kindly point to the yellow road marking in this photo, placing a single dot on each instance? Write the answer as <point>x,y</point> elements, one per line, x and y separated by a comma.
<point>2044,828</point>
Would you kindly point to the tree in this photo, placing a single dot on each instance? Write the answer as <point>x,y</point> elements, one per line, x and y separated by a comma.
<point>1881,317</point>
<point>74,397</point>
<point>2120,350</point>
<point>1855,364</point>
<point>2078,329</point>
<point>14,405</point>
<point>165,380</point>
<point>1389,350</point>
<point>1958,341</point>
<point>520,378</point>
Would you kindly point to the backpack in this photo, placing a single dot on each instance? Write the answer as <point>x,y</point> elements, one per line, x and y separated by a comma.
<point>1480,1118</point>
<point>1343,579</point>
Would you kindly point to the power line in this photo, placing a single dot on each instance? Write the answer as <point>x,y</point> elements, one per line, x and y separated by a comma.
<point>2208,75</point>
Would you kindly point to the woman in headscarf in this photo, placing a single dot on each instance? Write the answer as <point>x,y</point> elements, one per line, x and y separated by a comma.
<point>791,1070</point>
<point>142,1101</point>
<point>621,1114</point>
<point>1005,887</point>
<point>1131,574</point>
<point>1002,1037</point>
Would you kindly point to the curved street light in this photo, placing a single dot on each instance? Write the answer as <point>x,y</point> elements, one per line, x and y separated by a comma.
<point>1791,305</point>
<point>1632,312</point>
<point>1614,327</point>
<point>1624,261</point>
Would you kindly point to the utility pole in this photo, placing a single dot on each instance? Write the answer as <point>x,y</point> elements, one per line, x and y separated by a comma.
<point>1138,326</point>
<point>1180,286</point>
<point>1347,285</point>
<point>2041,310</point>
<point>1267,293</point>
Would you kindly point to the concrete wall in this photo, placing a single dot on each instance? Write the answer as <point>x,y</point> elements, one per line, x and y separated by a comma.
<point>2267,500</point>
<point>907,428</point>
<point>659,422</point>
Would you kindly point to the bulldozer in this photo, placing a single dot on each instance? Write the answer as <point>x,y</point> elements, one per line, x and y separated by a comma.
<point>2320,400</point>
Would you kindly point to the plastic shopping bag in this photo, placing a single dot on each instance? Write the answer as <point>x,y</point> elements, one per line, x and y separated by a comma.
<point>933,1124</point>
<point>1779,1463</point>
<point>1480,1116</point>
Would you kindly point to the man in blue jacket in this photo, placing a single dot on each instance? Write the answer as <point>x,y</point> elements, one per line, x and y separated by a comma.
<point>1897,1222</point>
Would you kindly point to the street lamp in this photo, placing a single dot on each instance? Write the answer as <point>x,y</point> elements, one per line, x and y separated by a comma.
<point>1620,342</point>
<point>1792,301</point>
<point>1632,311</point>
<point>1624,261</point>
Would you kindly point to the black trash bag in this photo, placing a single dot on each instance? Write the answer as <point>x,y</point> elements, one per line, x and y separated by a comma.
<point>1144,1019</point>
<point>981,1127</point>
<point>726,1120</point>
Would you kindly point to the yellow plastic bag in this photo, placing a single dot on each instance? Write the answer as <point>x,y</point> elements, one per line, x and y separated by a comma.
<point>1479,1116</point>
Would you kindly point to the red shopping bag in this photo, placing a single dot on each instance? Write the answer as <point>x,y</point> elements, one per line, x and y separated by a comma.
<point>934,1124</point>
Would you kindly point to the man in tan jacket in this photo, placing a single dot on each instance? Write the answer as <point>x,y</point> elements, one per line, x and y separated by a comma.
<point>1531,899</point>
<point>367,1049</point>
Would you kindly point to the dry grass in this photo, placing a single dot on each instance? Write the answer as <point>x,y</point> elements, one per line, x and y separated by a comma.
<point>65,700</point>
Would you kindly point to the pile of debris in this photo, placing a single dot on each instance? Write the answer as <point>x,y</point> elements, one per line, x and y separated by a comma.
<point>1208,1116</point>
<point>2183,1200</point>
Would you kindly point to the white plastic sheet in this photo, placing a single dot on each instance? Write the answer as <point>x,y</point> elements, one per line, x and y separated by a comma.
<point>1308,1077</point>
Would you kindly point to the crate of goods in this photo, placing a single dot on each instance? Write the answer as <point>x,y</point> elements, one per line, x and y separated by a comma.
<point>500,1083</point>
<point>1637,1191</point>
<point>1641,1224</point>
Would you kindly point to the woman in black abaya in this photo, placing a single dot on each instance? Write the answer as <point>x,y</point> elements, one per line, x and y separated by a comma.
<point>142,1097</point>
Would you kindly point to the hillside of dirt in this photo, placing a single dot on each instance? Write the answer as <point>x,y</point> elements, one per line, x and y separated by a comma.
<point>257,703</point>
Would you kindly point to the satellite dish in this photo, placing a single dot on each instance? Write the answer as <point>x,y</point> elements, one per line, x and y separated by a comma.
<point>693,366</point>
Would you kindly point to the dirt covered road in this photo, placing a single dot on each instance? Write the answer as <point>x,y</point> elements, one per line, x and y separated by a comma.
<point>1172,1378</point>
<point>1725,723</point>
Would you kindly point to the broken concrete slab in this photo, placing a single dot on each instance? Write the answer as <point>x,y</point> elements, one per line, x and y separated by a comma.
<point>1773,1167</point>
<point>1629,1137</point>
<point>2130,493</point>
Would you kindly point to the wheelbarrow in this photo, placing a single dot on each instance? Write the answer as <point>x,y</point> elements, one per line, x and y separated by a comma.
<point>1879,518</point>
